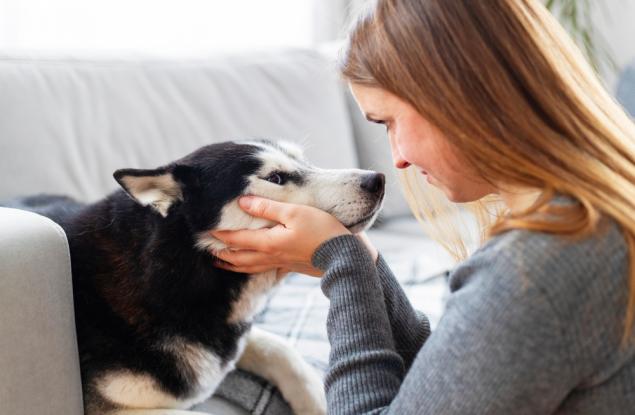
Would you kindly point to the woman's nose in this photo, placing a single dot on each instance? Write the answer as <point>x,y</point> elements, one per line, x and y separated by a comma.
<point>401,163</point>
<point>397,158</point>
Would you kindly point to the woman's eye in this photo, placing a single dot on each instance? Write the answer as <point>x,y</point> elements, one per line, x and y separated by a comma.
<point>276,178</point>
<point>384,123</point>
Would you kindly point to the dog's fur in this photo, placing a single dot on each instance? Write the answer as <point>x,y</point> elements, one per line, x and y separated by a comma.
<point>158,325</point>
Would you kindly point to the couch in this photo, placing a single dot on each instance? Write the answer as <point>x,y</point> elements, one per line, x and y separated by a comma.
<point>67,122</point>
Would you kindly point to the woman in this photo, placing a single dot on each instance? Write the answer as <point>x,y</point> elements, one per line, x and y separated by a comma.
<point>482,98</point>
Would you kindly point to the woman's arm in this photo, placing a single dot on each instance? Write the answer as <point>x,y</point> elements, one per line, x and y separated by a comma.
<point>410,328</point>
<point>492,353</point>
<point>363,350</point>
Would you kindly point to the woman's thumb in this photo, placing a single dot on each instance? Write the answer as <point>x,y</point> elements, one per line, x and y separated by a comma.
<point>246,202</point>
<point>264,208</point>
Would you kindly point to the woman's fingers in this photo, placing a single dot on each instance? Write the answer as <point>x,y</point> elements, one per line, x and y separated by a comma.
<point>268,209</point>
<point>245,269</point>
<point>290,244</point>
<point>281,270</point>
<point>243,258</point>
<point>257,239</point>
<point>253,262</point>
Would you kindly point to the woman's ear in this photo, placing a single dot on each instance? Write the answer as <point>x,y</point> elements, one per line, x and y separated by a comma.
<point>157,188</point>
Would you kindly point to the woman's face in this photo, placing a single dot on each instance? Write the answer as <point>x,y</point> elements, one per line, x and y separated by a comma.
<point>414,141</point>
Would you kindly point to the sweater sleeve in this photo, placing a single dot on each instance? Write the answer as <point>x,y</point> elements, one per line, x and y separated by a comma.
<point>410,328</point>
<point>492,353</point>
<point>363,351</point>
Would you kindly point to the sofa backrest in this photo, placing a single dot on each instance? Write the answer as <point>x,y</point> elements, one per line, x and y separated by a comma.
<point>66,124</point>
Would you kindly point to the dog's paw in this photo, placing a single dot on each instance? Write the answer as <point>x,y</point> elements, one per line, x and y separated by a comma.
<point>306,395</point>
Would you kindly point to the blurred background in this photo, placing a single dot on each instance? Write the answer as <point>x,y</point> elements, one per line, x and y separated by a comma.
<point>603,27</point>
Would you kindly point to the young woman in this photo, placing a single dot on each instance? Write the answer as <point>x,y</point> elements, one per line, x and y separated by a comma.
<point>482,98</point>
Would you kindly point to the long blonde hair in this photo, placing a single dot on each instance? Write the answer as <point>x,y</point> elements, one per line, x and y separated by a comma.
<point>507,86</point>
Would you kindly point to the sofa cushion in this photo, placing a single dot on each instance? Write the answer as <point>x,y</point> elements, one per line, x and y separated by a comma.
<point>67,123</point>
<point>38,346</point>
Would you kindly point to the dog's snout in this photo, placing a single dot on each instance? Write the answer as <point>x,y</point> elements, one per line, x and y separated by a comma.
<point>373,182</point>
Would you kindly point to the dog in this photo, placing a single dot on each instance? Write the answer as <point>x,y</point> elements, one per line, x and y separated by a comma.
<point>158,325</point>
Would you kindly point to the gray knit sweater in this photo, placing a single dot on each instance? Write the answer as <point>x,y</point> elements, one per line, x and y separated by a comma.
<point>532,326</point>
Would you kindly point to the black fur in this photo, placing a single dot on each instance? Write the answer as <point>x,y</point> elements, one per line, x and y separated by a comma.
<point>137,276</point>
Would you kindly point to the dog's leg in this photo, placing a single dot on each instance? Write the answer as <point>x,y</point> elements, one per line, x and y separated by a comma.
<point>272,358</point>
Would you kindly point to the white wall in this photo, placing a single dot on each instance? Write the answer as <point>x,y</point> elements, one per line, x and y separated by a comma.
<point>195,25</point>
<point>153,25</point>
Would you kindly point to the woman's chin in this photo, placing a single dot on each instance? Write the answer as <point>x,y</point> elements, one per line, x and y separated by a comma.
<point>462,197</point>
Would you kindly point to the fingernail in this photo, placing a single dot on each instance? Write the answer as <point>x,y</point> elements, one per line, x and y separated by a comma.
<point>245,202</point>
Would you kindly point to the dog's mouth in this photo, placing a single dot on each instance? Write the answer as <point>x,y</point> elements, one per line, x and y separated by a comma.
<point>360,225</point>
<point>367,220</point>
<point>364,222</point>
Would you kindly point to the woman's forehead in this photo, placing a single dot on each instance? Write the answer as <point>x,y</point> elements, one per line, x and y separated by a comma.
<point>372,99</point>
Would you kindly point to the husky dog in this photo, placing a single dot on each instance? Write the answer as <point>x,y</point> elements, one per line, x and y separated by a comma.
<point>158,325</point>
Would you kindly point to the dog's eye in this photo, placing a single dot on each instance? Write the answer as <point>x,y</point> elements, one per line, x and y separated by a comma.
<point>277,177</point>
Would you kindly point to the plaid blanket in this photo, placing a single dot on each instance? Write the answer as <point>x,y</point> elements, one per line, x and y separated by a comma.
<point>297,311</point>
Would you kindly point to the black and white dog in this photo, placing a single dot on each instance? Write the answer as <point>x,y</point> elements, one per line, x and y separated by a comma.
<point>158,325</point>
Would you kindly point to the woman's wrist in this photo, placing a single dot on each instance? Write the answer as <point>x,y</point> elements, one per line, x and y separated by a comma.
<point>346,248</point>
<point>374,253</point>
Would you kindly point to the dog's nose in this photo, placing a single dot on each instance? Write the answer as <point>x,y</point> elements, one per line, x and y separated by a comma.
<point>373,182</point>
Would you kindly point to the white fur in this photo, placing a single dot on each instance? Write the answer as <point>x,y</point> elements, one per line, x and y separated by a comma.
<point>135,391</point>
<point>253,296</point>
<point>232,218</point>
<point>272,358</point>
<point>337,191</point>
<point>141,391</point>
<point>204,363</point>
<point>292,149</point>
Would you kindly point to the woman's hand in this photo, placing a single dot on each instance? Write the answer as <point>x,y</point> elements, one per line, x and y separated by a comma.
<point>287,246</point>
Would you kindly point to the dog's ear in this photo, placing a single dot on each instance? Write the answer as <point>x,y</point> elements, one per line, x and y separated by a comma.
<point>157,188</point>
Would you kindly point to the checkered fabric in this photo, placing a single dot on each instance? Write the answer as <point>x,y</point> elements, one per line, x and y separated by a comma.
<point>297,311</point>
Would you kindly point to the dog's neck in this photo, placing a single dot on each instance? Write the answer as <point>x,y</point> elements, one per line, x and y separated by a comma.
<point>232,217</point>
<point>149,258</point>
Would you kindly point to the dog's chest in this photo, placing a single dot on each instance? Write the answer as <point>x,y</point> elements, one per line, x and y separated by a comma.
<point>203,368</point>
<point>252,297</point>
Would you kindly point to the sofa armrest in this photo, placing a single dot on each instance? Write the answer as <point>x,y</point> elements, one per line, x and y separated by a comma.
<point>38,343</point>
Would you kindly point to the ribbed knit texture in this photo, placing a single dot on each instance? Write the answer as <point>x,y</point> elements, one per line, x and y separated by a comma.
<point>532,326</point>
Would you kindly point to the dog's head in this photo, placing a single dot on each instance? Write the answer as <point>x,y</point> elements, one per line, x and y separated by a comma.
<point>205,186</point>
